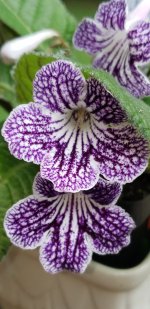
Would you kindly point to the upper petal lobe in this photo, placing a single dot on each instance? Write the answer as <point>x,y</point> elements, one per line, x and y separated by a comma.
<point>59,86</point>
<point>112,14</point>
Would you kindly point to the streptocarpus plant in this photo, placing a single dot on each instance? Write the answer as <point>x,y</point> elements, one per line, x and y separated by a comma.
<point>79,133</point>
<point>119,43</point>
<point>81,137</point>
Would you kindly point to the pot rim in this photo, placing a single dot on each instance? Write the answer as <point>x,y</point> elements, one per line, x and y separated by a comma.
<point>118,279</point>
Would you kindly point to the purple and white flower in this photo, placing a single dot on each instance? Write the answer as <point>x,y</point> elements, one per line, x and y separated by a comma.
<point>119,43</point>
<point>68,227</point>
<point>76,130</point>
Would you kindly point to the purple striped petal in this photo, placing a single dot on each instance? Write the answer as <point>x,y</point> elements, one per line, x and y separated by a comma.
<point>65,250</point>
<point>59,86</point>
<point>112,14</point>
<point>125,72</point>
<point>122,154</point>
<point>70,172</point>
<point>104,192</point>
<point>27,131</point>
<point>102,105</point>
<point>43,189</point>
<point>139,42</point>
<point>68,227</point>
<point>27,221</point>
<point>110,229</point>
<point>88,37</point>
<point>66,246</point>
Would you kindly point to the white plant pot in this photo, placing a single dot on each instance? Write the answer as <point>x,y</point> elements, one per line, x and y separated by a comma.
<point>25,285</point>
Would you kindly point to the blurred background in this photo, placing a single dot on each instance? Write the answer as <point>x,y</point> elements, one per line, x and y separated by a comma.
<point>82,8</point>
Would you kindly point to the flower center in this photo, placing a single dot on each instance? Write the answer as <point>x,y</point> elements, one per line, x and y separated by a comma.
<point>81,116</point>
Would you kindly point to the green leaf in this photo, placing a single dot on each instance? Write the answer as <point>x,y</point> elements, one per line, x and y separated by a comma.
<point>16,178</point>
<point>25,72</point>
<point>147,100</point>
<point>5,33</point>
<point>138,111</point>
<point>26,16</point>
<point>7,90</point>
<point>3,114</point>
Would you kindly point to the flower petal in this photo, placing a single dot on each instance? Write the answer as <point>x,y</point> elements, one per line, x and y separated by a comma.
<point>60,252</point>
<point>70,172</point>
<point>27,221</point>
<point>43,189</point>
<point>123,68</point>
<point>66,246</point>
<point>88,37</point>
<point>27,130</point>
<point>59,85</point>
<point>134,77</point>
<point>104,192</point>
<point>139,42</point>
<point>122,153</point>
<point>112,14</point>
<point>102,105</point>
<point>109,228</point>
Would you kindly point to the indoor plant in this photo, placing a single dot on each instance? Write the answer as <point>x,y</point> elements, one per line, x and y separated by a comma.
<point>138,116</point>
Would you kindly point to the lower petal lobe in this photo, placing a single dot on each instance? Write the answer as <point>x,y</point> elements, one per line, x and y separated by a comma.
<point>139,42</point>
<point>70,172</point>
<point>123,154</point>
<point>60,252</point>
<point>109,228</point>
<point>67,245</point>
<point>27,221</point>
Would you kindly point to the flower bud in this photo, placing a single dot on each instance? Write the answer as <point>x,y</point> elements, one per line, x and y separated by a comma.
<point>12,50</point>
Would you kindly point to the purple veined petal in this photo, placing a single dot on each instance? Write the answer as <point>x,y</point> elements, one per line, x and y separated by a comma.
<point>91,38</point>
<point>27,131</point>
<point>56,256</point>
<point>135,77</point>
<point>109,228</point>
<point>112,14</point>
<point>104,192</point>
<point>122,154</point>
<point>43,189</point>
<point>67,246</point>
<point>129,76</point>
<point>71,172</point>
<point>123,68</point>
<point>139,42</point>
<point>88,37</point>
<point>59,86</point>
<point>102,105</point>
<point>27,222</point>
<point>111,57</point>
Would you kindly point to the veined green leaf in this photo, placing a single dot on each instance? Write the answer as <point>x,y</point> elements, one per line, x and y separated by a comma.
<point>137,110</point>
<point>32,15</point>
<point>16,178</point>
